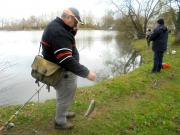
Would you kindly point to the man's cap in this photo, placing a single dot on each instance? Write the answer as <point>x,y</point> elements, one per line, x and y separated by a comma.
<point>73,12</point>
<point>160,21</point>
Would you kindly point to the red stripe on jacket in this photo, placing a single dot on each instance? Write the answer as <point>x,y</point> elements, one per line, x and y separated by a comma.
<point>62,54</point>
<point>44,43</point>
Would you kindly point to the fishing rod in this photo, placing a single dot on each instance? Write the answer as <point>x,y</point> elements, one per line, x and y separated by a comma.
<point>8,124</point>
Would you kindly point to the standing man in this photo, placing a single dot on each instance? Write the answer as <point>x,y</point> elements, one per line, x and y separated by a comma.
<point>159,38</point>
<point>58,43</point>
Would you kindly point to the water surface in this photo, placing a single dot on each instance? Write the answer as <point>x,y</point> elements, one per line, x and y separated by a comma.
<point>100,51</point>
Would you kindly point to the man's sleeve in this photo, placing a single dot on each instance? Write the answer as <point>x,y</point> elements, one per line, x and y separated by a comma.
<point>62,47</point>
<point>155,35</point>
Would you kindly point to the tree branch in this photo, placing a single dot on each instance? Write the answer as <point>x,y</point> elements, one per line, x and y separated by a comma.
<point>120,10</point>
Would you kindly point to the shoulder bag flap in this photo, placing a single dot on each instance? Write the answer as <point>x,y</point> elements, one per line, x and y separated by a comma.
<point>44,66</point>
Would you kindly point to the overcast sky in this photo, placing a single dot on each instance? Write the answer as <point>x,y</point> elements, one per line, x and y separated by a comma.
<point>25,8</point>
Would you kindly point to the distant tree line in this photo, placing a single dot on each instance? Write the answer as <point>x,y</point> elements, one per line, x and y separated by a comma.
<point>32,23</point>
<point>38,23</point>
<point>130,17</point>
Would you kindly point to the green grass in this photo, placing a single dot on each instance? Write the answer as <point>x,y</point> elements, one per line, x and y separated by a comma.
<point>138,103</point>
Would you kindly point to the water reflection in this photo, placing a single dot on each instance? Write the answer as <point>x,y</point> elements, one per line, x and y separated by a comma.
<point>128,60</point>
<point>118,66</point>
<point>111,57</point>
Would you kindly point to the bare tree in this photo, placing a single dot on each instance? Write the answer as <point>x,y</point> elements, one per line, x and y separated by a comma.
<point>108,20</point>
<point>89,20</point>
<point>173,14</point>
<point>178,22</point>
<point>2,23</point>
<point>139,12</point>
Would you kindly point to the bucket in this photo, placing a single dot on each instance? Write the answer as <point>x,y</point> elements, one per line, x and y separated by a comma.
<point>165,66</point>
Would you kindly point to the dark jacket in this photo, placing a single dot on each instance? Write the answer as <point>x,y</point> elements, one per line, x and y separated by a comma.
<point>58,45</point>
<point>159,38</point>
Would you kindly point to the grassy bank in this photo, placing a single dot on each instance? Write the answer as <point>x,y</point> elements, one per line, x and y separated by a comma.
<point>139,103</point>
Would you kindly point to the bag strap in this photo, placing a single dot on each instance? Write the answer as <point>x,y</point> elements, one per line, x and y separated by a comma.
<point>37,81</point>
<point>40,45</point>
<point>43,43</point>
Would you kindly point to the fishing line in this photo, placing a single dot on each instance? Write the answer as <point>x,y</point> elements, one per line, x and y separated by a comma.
<point>8,124</point>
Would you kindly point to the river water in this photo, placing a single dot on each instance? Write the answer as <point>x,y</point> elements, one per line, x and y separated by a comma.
<point>101,51</point>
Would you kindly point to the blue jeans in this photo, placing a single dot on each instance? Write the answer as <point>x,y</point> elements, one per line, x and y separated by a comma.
<point>158,59</point>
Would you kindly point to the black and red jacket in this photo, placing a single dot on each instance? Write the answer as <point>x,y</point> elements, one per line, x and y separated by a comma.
<point>58,46</point>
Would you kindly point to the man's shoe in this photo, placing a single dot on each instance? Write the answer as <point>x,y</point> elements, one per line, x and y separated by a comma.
<point>70,115</point>
<point>64,126</point>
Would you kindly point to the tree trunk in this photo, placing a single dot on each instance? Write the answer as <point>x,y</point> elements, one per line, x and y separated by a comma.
<point>140,35</point>
<point>177,25</point>
<point>145,26</point>
<point>177,37</point>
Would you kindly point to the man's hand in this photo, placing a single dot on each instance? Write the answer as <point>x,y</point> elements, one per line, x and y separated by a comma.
<point>91,76</point>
